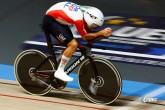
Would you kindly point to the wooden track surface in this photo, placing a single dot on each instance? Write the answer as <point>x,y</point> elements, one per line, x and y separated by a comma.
<point>13,97</point>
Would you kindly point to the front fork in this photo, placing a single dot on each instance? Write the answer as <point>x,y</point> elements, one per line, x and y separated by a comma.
<point>93,66</point>
<point>95,82</point>
<point>86,51</point>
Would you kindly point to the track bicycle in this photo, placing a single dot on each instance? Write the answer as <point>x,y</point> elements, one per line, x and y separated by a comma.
<point>98,79</point>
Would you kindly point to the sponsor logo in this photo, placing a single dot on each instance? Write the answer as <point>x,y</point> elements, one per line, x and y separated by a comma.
<point>148,99</point>
<point>63,61</point>
<point>72,6</point>
<point>62,37</point>
<point>76,63</point>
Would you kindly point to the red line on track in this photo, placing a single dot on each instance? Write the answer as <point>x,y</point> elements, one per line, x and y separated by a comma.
<point>95,108</point>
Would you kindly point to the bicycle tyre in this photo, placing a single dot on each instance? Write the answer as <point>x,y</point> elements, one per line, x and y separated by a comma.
<point>109,86</point>
<point>27,60</point>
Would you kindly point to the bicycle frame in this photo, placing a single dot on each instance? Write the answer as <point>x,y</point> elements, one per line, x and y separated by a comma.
<point>102,85</point>
<point>83,50</point>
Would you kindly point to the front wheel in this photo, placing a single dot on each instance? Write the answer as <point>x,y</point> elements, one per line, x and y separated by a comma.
<point>106,89</point>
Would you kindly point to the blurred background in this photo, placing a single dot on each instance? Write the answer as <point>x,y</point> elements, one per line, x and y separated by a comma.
<point>20,19</point>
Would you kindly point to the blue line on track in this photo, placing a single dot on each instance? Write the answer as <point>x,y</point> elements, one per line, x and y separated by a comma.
<point>130,88</point>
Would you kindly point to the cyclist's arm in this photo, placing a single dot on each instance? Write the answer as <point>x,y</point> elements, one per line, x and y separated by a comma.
<point>87,35</point>
<point>90,36</point>
<point>104,33</point>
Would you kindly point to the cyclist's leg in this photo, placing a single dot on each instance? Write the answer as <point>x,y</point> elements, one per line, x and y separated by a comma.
<point>64,35</point>
<point>67,54</point>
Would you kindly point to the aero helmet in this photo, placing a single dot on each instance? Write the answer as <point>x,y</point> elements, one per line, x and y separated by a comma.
<point>92,16</point>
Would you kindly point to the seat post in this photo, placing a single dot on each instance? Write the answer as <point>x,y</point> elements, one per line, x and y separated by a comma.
<point>50,47</point>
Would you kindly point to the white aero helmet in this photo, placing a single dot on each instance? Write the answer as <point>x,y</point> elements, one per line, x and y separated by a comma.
<point>92,16</point>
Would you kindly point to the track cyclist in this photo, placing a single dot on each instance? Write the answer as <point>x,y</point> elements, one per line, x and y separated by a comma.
<point>84,18</point>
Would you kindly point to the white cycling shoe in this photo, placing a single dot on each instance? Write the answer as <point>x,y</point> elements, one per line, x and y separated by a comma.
<point>59,74</point>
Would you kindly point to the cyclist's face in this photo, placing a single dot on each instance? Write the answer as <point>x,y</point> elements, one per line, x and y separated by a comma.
<point>92,26</point>
<point>86,26</point>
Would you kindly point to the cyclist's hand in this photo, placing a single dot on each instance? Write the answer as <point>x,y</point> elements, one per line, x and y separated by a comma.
<point>107,32</point>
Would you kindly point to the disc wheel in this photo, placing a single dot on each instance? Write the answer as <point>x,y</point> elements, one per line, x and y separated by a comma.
<point>32,83</point>
<point>106,89</point>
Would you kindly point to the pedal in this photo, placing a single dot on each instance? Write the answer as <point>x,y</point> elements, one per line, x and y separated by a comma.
<point>58,84</point>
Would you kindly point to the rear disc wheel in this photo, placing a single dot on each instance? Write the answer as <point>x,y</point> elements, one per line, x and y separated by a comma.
<point>32,83</point>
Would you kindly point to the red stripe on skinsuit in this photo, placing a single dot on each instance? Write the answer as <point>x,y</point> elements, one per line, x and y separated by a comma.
<point>59,14</point>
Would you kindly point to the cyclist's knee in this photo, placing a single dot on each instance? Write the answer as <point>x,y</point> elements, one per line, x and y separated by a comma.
<point>73,44</point>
